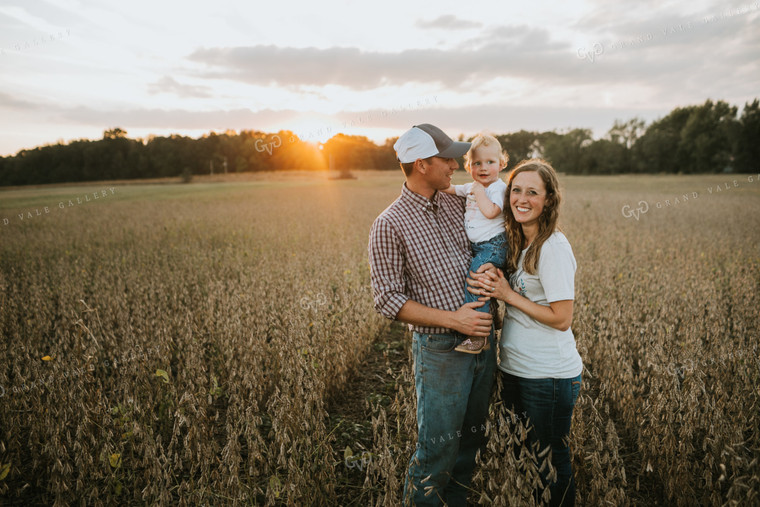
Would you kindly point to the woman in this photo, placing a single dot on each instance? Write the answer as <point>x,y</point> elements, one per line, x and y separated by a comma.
<point>541,368</point>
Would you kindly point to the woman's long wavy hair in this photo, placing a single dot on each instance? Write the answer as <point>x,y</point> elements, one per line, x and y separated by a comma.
<point>547,222</point>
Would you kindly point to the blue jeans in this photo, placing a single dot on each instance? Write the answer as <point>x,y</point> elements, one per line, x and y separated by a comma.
<point>548,404</point>
<point>453,392</point>
<point>494,251</point>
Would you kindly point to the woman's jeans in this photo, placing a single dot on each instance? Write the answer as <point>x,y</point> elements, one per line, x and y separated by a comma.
<point>494,251</point>
<point>453,391</point>
<point>548,405</point>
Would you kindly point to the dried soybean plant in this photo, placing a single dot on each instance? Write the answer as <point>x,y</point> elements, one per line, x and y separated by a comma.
<point>183,349</point>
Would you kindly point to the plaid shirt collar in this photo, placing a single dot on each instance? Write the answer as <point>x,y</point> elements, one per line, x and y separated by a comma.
<point>420,201</point>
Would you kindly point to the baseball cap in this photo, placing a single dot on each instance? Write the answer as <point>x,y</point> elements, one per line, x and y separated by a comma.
<point>426,140</point>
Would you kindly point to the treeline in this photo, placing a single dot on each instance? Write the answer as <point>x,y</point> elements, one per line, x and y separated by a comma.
<point>706,138</point>
<point>116,156</point>
<point>710,138</point>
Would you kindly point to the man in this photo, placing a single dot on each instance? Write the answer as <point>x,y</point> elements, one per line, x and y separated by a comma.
<point>419,257</point>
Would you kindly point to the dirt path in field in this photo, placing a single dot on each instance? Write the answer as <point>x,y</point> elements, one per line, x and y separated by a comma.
<point>350,413</point>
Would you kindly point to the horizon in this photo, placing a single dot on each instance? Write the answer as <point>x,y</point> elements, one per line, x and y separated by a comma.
<point>318,135</point>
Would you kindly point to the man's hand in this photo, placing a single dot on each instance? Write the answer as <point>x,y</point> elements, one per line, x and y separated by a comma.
<point>471,322</point>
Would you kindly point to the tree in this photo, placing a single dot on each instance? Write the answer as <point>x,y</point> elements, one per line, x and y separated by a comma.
<point>626,133</point>
<point>386,155</point>
<point>659,149</point>
<point>565,151</point>
<point>519,145</point>
<point>605,157</point>
<point>351,152</point>
<point>746,146</point>
<point>705,141</point>
<point>115,133</point>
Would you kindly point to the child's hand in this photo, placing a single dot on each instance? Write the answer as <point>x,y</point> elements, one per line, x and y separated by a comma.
<point>476,185</point>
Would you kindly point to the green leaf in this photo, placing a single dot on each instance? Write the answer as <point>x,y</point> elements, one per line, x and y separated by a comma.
<point>275,485</point>
<point>115,460</point>
<point>163,375</point>
<point>4,471</point>
<point>347,453</point>
<point>215,390</point>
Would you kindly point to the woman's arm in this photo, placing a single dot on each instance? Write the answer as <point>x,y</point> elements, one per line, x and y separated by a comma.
<point>558,315</point>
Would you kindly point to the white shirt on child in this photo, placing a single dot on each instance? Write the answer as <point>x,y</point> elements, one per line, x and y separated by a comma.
<point>530,349</point>
<point>478,227</point>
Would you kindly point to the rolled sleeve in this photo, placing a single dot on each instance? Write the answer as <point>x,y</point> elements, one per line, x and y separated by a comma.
<point>386,261</point>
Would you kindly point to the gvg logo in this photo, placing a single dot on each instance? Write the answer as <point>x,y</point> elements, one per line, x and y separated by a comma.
<point>318,300</point>
<point>358,461</point>
<point>590,54</point>
<point>261,146</point>
<point>629,212</point>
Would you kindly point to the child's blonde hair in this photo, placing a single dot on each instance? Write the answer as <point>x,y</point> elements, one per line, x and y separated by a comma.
<point>485,140</point>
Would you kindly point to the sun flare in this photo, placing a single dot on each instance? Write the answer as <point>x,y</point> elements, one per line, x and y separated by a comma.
<point>314,129</point>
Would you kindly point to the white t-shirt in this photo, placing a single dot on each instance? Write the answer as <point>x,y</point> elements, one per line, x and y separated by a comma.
<point>478,227</point>
<point>530,349</point>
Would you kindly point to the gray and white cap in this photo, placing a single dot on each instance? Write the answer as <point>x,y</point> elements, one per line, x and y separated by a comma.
<point>426,140</point>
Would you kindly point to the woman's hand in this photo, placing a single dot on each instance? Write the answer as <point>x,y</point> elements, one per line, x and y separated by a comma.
<point>490,284</point>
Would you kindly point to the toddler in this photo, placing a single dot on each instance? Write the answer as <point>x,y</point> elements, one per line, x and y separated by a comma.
<point>483,219</point>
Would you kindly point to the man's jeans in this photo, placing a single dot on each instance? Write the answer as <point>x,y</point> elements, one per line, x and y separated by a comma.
<point>494,251</point>
<point>548,404</point>
<point>453,391</point>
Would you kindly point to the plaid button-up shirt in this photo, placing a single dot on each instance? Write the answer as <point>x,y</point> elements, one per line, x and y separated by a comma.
<point>418,250</point>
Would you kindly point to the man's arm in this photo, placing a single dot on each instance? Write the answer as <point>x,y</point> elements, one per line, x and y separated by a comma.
<point>386,272</point>
<point>460,190</point>
<point>386,262</point>
<point>466,319</point>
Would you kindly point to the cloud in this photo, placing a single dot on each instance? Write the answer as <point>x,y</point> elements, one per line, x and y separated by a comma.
<point>448,22</point>
<point>650,54</point>
<point>666,29</point>
<point>238,119</point>
<point>168,84</point>
<point>708,53</point>
<point>467,119</point>
<point>23,16</point>
<point>517,52</point>
<point>11,102</point>
<point>498,119</point>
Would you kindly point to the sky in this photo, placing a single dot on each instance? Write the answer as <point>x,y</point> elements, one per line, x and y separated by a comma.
<point>70,69</point>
